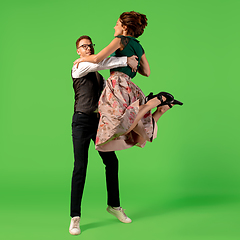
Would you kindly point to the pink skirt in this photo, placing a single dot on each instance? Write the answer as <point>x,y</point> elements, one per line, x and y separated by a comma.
<point>118,108</point>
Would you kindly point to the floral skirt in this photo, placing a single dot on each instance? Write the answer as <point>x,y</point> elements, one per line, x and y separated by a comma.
<point>118,108</point>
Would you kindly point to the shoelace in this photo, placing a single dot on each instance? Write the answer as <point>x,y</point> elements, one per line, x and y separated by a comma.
<point>75,223</point>
<point>122,210</point>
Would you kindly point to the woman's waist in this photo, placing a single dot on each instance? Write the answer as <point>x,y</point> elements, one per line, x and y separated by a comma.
<point>120,74</point>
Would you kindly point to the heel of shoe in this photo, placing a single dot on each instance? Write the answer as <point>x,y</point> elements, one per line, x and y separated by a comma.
<point>176,102</point>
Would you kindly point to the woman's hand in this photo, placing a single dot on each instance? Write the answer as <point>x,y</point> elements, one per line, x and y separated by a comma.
<point>77,61</point>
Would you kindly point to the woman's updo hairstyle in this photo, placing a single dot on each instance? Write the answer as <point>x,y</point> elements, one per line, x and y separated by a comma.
<point>135,23</point>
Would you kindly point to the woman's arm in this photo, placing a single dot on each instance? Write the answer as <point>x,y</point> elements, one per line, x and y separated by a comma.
<point>144,68</point>
<point>96,58</point>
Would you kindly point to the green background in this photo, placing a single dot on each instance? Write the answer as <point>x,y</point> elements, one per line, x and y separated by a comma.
<point>184,185</point>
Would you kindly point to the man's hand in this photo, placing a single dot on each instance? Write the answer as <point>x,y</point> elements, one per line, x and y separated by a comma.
<point>132,62</point>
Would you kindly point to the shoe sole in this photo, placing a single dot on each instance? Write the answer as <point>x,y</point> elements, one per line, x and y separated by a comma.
<point>74,233</point>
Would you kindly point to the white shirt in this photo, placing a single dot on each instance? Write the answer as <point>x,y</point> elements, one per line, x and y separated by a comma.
<point>86,67</point>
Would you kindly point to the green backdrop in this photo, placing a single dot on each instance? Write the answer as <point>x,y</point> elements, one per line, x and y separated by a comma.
<point>184,185</point>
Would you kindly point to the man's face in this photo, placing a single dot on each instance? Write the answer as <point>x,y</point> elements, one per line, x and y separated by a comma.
<point>84,48</point>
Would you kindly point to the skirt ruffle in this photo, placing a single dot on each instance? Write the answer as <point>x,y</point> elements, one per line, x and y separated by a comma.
<point>118,108</point>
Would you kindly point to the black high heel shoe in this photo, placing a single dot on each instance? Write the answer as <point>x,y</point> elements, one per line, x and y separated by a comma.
<point>176,102</point>
<point>149,96</point>
<point>169,98</point>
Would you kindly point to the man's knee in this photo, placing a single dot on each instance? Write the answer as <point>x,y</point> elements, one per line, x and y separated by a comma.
<point>109,158</point>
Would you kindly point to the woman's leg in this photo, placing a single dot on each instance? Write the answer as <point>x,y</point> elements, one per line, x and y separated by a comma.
<point>156,115</point>
<point>160,111</point>
<point>143,109</point>
<point>141,132</point>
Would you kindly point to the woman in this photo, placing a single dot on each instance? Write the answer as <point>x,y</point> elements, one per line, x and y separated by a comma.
<point>125,115</point>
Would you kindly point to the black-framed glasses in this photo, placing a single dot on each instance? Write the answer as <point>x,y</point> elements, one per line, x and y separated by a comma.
<point>85,46</point>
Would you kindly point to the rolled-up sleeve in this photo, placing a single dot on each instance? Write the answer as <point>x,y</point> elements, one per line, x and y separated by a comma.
<point>85,67</point>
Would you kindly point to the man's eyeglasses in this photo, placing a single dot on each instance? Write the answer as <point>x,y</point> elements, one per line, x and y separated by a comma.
<point>85,46</point>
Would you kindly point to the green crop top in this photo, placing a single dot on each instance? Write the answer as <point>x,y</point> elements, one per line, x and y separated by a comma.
<point>131,47</point>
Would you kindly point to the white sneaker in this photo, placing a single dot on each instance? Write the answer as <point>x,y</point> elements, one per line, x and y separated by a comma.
<point>119,213</point>
<point>74,228</point>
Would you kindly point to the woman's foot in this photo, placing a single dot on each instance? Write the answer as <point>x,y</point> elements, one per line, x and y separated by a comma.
<point>169,98</point>
<point>163,98</point>
<point>155,102</point>
<point>160,111</point>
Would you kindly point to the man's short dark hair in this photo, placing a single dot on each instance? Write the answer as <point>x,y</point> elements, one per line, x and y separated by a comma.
<point>83,37</point>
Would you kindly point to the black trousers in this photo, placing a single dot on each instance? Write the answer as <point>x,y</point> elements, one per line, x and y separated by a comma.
<point>84,128</point>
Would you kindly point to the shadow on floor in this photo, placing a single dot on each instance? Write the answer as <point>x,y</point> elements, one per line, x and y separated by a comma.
<point>161,208</point>
<point>88,226</point>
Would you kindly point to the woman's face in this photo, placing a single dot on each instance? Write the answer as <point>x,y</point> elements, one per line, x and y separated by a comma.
<point>118,28</point>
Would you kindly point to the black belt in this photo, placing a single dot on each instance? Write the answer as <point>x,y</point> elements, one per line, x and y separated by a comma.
<point>77,112</point>
<point>89,114</point>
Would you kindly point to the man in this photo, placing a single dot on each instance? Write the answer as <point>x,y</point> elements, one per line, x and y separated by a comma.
<point>88,85</point>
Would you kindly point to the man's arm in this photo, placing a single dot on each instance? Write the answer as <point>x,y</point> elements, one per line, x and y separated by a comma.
<point>85,67</point>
